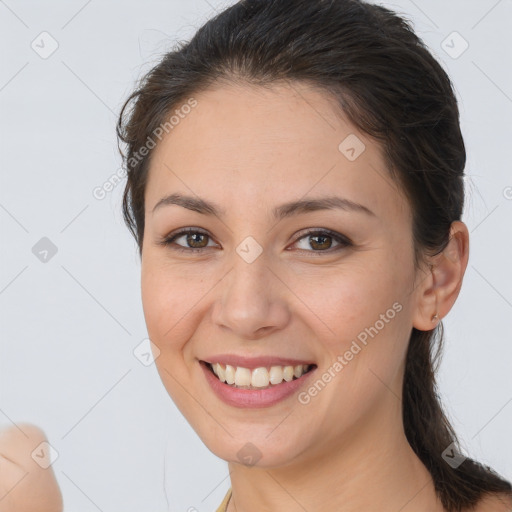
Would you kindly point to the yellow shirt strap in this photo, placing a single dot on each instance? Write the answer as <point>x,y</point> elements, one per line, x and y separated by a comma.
<point>223,506</point>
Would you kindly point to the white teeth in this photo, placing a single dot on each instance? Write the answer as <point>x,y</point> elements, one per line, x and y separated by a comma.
<point>288,373</point>
<point>242,376</point>
<point>259,377</point>
<point>276,374</point>
<point>229,374</point>
<point>220,372</point>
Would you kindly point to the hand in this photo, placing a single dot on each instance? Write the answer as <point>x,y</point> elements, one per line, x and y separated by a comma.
<point>24,485</point>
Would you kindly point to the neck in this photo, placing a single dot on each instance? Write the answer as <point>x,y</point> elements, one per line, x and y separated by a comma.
<point>372,468</point>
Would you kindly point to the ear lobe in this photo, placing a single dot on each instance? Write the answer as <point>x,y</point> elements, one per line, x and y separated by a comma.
<point>437,292</point>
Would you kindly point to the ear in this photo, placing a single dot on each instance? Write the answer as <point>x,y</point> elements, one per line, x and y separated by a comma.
<point>437,290</point>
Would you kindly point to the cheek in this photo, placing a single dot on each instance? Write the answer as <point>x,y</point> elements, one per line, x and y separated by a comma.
<point>347,302</point>
<point>367,314</point>
<point>172,301</point>
<point>165,309</point>
<point>163,300</point>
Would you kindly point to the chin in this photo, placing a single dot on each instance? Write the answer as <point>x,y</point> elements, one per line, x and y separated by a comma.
<point>255,447</point>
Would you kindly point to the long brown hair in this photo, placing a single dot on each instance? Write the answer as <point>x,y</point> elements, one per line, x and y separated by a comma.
<point>389,85</point>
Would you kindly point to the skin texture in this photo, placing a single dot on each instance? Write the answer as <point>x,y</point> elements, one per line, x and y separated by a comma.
<point>24,485</point>
<point>248,150</point>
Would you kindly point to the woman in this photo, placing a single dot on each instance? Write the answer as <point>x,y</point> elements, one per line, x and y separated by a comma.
<point>295,186</point>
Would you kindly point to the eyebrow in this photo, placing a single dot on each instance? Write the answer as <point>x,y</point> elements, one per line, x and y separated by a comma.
<point>289,209</point>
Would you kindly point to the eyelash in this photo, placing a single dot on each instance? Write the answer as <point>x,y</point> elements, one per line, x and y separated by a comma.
<point>341,239</point>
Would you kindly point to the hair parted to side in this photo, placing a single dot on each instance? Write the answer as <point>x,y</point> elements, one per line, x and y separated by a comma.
<point>384,79</point>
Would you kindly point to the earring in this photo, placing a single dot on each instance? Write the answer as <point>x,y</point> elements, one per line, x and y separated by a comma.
<point>435,318</point>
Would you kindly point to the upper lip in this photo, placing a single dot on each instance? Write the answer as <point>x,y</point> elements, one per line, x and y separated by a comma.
<point>255,362</point>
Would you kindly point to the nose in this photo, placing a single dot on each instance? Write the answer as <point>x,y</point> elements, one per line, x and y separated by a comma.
<point>251,300</point>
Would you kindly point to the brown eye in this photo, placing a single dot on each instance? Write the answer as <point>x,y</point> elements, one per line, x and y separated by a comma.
<point>196,240</point>
<point>191,240</point>
<point>322,241</point>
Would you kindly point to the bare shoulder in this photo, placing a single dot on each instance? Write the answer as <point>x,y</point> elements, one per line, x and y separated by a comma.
<point>17,441</point>
<point>22,433</point>
<point>27,481</point>
<point>494,503</point>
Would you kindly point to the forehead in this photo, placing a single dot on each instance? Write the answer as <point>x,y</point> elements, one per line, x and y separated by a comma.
<point>249,145</point>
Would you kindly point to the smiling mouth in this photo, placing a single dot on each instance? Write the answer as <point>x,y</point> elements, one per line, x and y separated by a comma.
<point>257,378</point>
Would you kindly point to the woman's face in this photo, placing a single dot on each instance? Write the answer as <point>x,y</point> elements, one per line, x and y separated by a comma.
<point>251,288</point>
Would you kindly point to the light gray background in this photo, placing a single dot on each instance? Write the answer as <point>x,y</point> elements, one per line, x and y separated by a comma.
<point>69,326</point>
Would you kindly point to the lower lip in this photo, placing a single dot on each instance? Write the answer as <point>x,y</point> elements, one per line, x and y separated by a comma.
<point>238,397</point>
